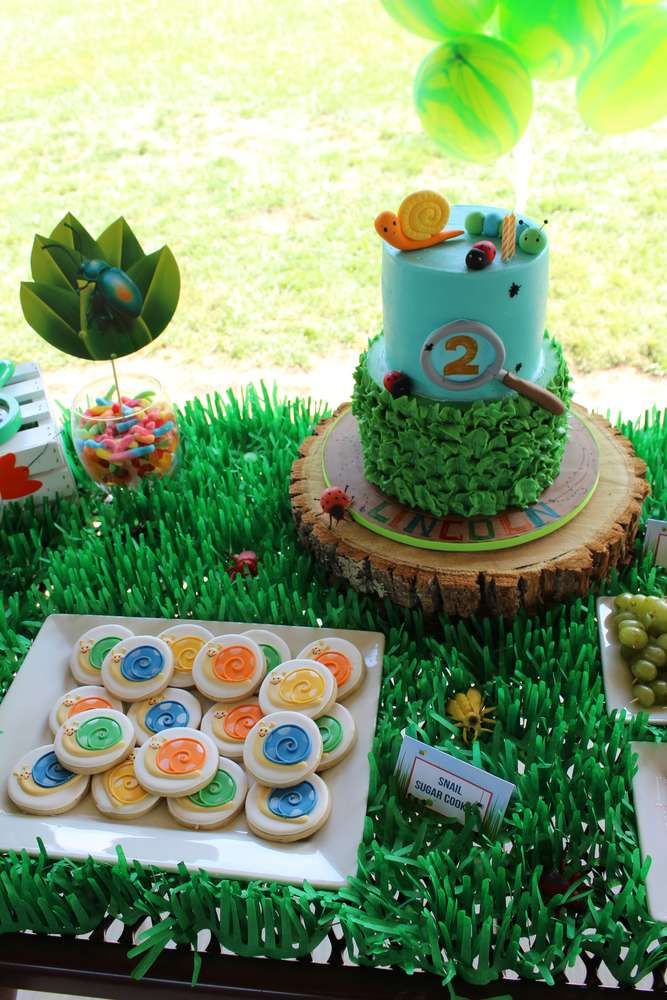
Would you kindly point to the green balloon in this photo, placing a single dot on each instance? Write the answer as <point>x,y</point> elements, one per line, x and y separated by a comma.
<point>626,88</point>
<point>558,38</point>
<point>474,97</point>
<point>437,18</point>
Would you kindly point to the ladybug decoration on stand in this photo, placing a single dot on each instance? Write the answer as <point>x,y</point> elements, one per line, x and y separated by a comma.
<point>245,564</point>
<point>397,384</point>
<point>334,501</point>
<point>480,255</point>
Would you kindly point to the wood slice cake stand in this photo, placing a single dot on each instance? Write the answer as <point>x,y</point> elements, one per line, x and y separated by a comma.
<point>501,581</point>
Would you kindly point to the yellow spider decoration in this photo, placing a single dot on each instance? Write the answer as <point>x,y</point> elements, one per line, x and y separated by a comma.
<point>470,713</point>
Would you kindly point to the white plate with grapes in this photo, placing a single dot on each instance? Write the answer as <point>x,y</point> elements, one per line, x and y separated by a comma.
<point>633,643</point>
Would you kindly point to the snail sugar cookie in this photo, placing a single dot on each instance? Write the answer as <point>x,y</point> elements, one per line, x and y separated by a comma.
<point>283,749</point>
<point>229,667</point>
<point>90,651</point>
<point>298,686</point>
<point>176,762</point>
<point>94,741</point>
<point>216,804</point>
<point>275,649</point>
<point>339,734</point>
<point>174,707</point>
<point>343,660</point>
<point>288,814</point>
<point>39,784</point>
<point>185,642</point>
<point>229,724</point>
<point>81,699</point>
<point>138,668</point>
<point>118,794</point>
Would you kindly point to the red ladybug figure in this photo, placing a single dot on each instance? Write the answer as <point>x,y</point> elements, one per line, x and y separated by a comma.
<point>397,384</point>
<point>245,563</point>
<point>556,883</point>
<point>334,501</point>
<point>481,255</point>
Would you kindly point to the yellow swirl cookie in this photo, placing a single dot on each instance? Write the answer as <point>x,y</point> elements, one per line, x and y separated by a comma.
<point>117,792</point>
<point>185,642</point>
<point>304,686</point>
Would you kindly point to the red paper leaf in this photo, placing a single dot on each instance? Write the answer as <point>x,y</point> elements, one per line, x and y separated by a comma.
<point>15,481</point>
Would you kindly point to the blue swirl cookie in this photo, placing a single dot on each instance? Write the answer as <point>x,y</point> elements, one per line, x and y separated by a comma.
<point>41,785</point>
<point>282,749</point>
<point>288,814</point>
<point>173,707</point>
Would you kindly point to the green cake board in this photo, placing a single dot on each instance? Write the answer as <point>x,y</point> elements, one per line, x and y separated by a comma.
<point>342,460</point>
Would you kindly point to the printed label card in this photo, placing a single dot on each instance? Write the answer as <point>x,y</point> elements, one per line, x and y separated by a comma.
<point>445,783</point>
<point>655,541</point>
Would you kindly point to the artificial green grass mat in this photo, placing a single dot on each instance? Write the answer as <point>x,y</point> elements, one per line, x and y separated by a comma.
<point>427,895</point>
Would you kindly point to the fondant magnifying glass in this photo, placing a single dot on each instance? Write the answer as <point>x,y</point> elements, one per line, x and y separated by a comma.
<point>10,416</point>
<point>457,335</point>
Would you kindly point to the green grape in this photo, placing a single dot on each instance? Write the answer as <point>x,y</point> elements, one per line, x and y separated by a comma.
<point>622,602</point>
<point>655,654</point>
<point>661,640</point>
<point>660,616</point>
<point>644,695</point>
<point>654,629</point>
<point>644,670</point>
<point>654,603</point>
<point>637,602</point>
<point>626,616</point>
<point>632,635</point>
<point>659,689</point>
<point>628,654</point>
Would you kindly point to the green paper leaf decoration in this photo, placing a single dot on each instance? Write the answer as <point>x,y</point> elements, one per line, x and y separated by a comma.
<point>119,246</point>
<point>55,265</point>
<point>159,281</point>
<point>52,304</point>
<point>46,308</point>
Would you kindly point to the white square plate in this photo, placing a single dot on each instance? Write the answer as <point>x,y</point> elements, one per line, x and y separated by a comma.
<point>326,860</point>
<point>616,672</point>
<point>649,787</point>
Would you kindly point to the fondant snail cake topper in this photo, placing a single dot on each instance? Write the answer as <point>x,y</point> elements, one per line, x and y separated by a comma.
<point>419,222</point>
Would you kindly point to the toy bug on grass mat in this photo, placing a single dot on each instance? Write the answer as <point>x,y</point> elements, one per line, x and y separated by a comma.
<point>471,714</point>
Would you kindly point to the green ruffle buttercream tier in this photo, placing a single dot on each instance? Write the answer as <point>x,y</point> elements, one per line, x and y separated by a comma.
<point>461,458</point>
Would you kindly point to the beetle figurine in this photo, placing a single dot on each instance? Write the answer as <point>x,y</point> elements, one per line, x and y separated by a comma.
<point>397,384</point>
<point>245,563</point>
<point>480,255</point>
<point>116,298</point>
<point>334,501</point>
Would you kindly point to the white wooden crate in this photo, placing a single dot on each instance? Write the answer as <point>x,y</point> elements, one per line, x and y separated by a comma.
<point>37,443</point>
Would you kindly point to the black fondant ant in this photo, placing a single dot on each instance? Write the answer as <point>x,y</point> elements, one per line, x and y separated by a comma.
<point>514,289</point>
<point>429,347</point>
<point>518,367</point>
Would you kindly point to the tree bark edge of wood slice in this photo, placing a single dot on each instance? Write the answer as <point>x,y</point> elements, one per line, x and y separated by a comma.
<point>598,540</point>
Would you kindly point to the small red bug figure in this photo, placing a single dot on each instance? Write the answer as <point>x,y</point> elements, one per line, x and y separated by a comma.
<point>397,383</point>
<point>245,563</point>
<point>481,255</point>
<point>334,501</point>
<point>556,883</point>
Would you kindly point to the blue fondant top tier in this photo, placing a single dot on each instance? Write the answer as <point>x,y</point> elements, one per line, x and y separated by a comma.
<point>422,290</point>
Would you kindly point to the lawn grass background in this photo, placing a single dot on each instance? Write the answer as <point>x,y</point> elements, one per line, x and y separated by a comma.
<point>260,140</point>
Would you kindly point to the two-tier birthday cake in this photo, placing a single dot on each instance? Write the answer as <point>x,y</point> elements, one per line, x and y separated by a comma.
<point>462,401</point>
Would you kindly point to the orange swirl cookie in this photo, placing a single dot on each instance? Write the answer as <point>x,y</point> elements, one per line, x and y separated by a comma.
<point>217,803</point>
<point>176,762</point>
<point>118,794</point>
<point>229,667</point>
<point>40,785</point>
<point>94,741</point>
<point>138,668</point>
<point>304,686</point>
<point>185,642</point>
<point>90,651</point>
<point>229,724</point>
<point>343,660</point>
<point>81,699</point>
